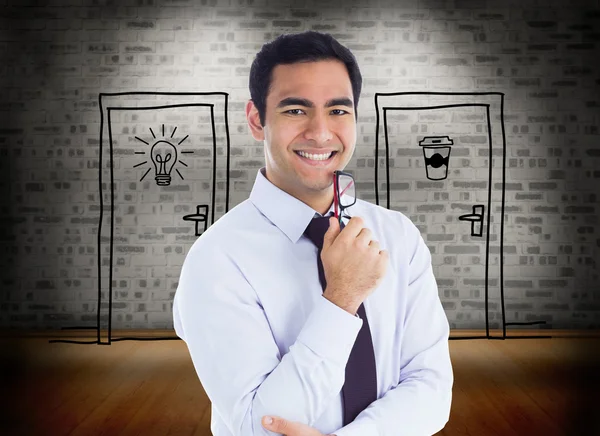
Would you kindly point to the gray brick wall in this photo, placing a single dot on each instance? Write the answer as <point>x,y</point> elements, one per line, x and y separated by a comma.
<point>59,55</point>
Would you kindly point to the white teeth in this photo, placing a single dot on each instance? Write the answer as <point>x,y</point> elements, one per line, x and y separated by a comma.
<point>315,156</point>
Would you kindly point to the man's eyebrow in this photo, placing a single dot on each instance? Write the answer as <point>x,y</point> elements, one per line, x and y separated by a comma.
<point>291,101</point>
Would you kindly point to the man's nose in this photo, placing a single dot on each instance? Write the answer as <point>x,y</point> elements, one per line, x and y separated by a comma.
<point>318,128</point>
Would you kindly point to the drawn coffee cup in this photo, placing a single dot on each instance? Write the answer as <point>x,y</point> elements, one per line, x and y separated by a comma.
<point>436,150</point>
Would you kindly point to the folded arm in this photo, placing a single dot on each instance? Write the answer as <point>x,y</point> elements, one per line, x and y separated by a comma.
<point>220,317</point>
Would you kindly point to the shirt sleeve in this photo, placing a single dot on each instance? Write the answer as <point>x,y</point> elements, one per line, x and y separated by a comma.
<point>220,317</point>
<point>420,404</point>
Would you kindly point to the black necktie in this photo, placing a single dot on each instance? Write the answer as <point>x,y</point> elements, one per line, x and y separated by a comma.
<point>360,384</point>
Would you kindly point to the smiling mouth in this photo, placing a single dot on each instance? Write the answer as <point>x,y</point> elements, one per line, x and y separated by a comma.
<point>316,157</point>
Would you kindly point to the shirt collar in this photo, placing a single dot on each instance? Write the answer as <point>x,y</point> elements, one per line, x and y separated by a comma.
<point>289,214</point>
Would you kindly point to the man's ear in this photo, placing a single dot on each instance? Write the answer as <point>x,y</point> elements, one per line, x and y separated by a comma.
<point>253,118</point>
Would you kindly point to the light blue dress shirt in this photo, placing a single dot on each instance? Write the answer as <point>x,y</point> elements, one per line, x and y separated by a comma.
<point>264,340</point>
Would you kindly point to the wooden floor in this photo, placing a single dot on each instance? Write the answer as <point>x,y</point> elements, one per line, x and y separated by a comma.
<point>502,387</point>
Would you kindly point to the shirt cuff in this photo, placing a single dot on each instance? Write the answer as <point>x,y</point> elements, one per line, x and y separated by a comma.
<point>359,427</point>
<point>330,331</point>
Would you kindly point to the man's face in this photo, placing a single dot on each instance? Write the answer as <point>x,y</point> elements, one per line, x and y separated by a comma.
<point>310,109</point>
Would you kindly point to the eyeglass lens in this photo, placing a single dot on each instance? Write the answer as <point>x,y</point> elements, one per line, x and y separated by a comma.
<point>347,191</point>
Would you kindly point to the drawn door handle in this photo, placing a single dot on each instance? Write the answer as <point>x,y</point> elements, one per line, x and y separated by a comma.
<point>476,219</point>
<point>201,215</point>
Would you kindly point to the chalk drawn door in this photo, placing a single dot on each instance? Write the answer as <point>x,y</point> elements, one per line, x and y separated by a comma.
<point>160,189</point>
<point>441,161</point>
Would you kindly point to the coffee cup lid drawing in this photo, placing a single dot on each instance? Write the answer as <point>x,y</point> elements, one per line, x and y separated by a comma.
<point>433,141</point>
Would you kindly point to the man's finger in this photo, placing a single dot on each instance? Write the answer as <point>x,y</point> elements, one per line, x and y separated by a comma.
<point>277,424</point>
<point>289,428</point>
<point>331,233</point>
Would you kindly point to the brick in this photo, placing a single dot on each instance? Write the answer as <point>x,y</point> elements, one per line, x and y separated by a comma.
<point>452,61</point>
<point>361,24</point>
<point>101,48</point>
<point>287,23</point>
<point>227,13</point>
<point>299,13</point>
<point>397,24</point>
<point>461,249</point>
<point>140,24</point>
<point>327,27</point>
<point>246,25</point>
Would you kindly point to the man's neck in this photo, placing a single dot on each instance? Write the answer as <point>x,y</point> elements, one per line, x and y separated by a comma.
<point>319,201</point>
<point>321,205</point>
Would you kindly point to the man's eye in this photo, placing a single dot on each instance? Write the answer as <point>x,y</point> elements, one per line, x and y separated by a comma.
<point>295,111</point>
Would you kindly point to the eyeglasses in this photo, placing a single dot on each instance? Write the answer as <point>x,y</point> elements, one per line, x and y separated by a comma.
<point>344,193</point>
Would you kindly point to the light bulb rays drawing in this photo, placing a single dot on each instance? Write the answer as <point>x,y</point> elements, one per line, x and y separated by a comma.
<point>164,157</point>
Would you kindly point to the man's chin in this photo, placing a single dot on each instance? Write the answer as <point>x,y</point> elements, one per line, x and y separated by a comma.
<point>318,188</point>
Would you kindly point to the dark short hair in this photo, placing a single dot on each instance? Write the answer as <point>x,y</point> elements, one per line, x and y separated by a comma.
<point>308,46</point>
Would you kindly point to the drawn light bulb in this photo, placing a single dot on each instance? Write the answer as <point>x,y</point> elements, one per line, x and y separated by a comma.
<point>164,157</point>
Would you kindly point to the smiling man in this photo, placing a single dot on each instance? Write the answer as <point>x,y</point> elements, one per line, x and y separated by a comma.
<point>324,329</point>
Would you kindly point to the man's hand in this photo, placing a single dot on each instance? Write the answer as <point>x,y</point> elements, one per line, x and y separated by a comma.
<point>289,428</point>
<point>353,263</point>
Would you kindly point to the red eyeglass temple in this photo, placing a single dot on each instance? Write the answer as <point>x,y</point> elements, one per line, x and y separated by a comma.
<point>335,202</point>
